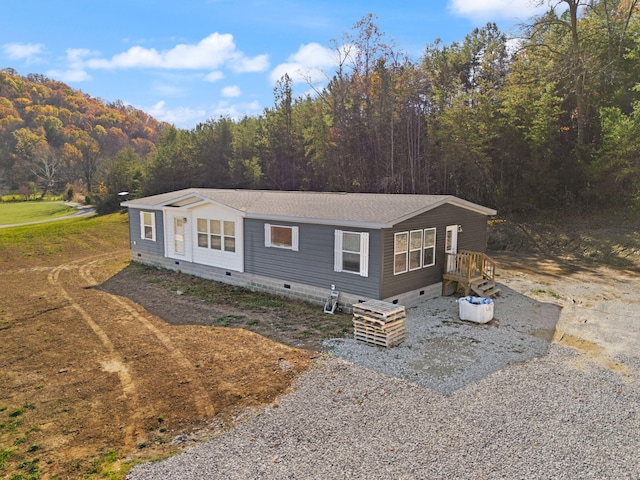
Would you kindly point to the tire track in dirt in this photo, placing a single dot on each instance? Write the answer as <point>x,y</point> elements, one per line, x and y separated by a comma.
<point>115,363</point>
<point>200,396</point>
<point>22,271</point>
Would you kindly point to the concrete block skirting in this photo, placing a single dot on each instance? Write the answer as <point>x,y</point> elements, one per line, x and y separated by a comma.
<point>298,291</point>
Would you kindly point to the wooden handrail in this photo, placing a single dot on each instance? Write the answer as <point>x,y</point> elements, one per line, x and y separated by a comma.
<point>489,268</point>
<point>468,264</point>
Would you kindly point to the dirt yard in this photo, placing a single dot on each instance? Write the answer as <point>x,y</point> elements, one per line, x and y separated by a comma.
<point>89,379</point>
<point>588,266</point>
<point>103,363</point>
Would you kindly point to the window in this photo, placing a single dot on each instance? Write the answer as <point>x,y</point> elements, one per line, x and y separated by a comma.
<point>415,249</point>
<point>148,226</point>
<point>429,255</point>
<point>281,236</point>
<point>400,250</point>
<point>203,233</point>
<point>216,234</point>
<point>351,252</point>
<point>229,236</point>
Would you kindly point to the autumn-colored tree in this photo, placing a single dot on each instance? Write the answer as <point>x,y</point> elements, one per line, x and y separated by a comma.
<point>78,131</point>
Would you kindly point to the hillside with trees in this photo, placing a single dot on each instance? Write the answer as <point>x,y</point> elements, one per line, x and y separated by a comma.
<point>52,136</point>
<point>550,119</point>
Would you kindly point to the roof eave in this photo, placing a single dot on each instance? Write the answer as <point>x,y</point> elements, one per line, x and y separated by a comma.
<point>472,206</point>
<point>449,199</point>
<point>202,199</point>
<point>320,221</point>
<point>133,204</point>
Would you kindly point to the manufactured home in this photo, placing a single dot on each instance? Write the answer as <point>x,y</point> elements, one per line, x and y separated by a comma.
<point>391,247</point>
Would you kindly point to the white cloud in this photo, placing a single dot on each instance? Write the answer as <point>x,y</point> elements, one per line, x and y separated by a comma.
<point>494,9</point>
<point>235,111</point>
<point>70,75</point>
<point>307,64</point>
<point>20,51</point>
<point>231,91</point>
<point>180,117</point>
<point>214,76</point>
<point>315,55</point>
<point>297,73</point>
<point>75,56</point>
<point>242,64</point>
<point>210,53</point>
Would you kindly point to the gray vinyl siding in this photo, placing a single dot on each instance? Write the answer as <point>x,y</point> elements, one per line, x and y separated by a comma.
<point>473,237</point>
<point>141,245</point>
<point>313,263</point>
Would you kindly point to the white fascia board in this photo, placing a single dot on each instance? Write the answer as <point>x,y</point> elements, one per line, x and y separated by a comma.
<point>170,204</point>
<point>140,206</point>
<point>182,198</point>
<point>186,206</point>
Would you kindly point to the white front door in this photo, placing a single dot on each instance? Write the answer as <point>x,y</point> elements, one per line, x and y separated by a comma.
<point>451,246</point>
<point>178,235</point>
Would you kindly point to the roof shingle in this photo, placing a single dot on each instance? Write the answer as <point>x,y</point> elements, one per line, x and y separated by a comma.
<point>358,209</point>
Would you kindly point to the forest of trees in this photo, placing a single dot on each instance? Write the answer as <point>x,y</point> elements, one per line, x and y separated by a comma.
<point>53,137</point>
<point>550,119</point>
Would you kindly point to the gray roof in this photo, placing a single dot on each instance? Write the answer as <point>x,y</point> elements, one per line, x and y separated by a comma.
<point>367,210</point>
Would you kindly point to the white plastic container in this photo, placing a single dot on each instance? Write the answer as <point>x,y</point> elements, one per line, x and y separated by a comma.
<point>475,309</point>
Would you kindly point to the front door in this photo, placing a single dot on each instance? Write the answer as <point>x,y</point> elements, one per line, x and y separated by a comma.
<point>178,235</point>
<point>451,246</point>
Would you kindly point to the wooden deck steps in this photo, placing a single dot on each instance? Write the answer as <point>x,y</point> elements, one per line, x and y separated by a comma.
<point>471,271</point>
<point>485,288</point>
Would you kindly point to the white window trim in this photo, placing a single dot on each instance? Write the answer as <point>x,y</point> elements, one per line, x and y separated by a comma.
<point>453,248</point>
<point>406,253</point>
<point>153,225</point>
<point>225,236</point>
<point>409,250</point>
<point>294,237</point>
<point>424,246</point>
<point>364,253</point>
<point>222,236</point>
<point>202,232</point>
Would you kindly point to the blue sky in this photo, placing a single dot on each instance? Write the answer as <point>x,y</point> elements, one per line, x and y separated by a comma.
<point>186,61</point>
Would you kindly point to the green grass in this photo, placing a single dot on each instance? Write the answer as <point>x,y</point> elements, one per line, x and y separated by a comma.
<point>279,318</point>
<point>23,212</point>
<point>5,454</point>
<point>71,237</point>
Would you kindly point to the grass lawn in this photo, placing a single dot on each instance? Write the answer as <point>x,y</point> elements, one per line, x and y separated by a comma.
<point>43,243</point>
<point>24,212</point>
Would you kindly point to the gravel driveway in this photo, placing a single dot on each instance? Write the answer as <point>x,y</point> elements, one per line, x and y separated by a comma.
<point>455,400</point>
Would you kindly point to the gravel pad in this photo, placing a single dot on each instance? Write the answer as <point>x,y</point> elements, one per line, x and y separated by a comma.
<point>444,353</point>
<point>454,400</point>
<point>554,417</point>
